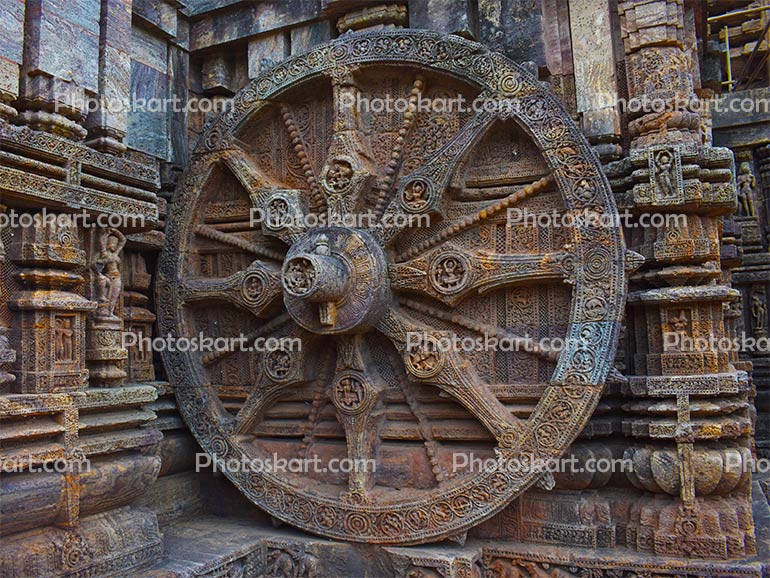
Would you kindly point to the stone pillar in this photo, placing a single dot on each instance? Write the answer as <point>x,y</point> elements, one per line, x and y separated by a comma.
<point>108,124</point>
<point>595,76</point>
<point>138,318</point>
<point>51,315</point>
<point>688,412</point>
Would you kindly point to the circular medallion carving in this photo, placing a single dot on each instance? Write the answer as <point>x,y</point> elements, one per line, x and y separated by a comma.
<point>450,272</point>
<point>351,393</point>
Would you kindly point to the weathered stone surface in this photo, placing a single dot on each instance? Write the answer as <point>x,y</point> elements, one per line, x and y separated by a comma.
<point>305,37</point>
<point>62,40</point>
<point>450,16</point>
<point>12,30</point>
<point>267,51</point>
<point>148,127</point>
<point>159,13</point>
<point>594,67</point>
<point>247,20</point>
<point>513,27</point>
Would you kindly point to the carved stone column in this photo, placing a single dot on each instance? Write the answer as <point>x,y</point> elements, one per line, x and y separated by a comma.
<point>51,314</point>
<point>688,408</point>
<point>138,318</point>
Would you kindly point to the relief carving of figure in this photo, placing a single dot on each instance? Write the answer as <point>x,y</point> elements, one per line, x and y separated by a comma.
<point>746,185</point>
<point>107,268</point>
<point>63,336</point>
<point>664,173</point>
<point>758,312</point>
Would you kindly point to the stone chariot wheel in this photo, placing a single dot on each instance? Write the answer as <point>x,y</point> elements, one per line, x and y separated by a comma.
<point>430,290</point>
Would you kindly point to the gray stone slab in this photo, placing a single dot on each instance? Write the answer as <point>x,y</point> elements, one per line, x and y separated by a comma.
<point>12,29</point>
<point>303,38</point>
<point>266,51</point>
<point>149,49</point>
<point>148,129</point>
<point>160,14</point>
<point>451,16</point>
<point>513,27</point>
<point>245,20</point>
<point>64,49</point>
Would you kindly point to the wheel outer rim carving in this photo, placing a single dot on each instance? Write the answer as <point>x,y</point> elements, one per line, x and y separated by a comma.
<point>579,375</point>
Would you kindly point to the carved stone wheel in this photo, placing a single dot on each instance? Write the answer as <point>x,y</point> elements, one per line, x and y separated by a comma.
<point>358,292</point>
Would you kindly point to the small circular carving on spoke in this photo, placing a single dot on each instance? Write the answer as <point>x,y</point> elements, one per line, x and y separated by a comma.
<point>279,364</point>
<point>416,195</point>
<point>426,359</point>
<point>278,213</point>
<point>339,176</point>
<point>253,287</point>
<point>351,393</point>
<point>450,272</point>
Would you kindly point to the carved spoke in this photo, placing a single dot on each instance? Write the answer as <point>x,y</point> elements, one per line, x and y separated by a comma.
<point>349,171</point>
<point>477,218</point>
<point>282,369</point>
<point>357,396</point>
<point>426,362</point>
<point>247,173</point>
<point>451,274</point>
<point>278,209</point>
<point>253,289</point>
<point>423,190</point>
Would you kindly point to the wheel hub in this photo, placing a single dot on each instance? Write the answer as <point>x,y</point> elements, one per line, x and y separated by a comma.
<point>335,281</point>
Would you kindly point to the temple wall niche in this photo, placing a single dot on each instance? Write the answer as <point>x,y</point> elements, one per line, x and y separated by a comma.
<point>81,139</point>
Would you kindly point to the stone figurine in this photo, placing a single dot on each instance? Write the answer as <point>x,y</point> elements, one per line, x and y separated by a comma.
<point>107,268</point>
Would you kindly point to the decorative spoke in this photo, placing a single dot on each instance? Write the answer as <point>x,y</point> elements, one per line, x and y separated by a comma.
<point>357,396</point>
<point>253,289</point>
<point>452,273</point>
<point>247,173</point>
<point>279,209</point>
<point>282,370</point>
<point>422,191</point>
<point>349,171</point>
<point>426,362</point>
